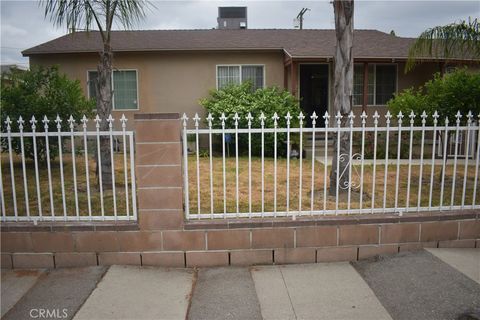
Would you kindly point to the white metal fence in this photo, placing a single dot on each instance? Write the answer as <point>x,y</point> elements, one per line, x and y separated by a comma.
<point>392,168</point>
<point>52,174</point>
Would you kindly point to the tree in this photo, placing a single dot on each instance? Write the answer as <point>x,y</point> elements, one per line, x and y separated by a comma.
<point>457,40</point>
<point>41,92</point>
<point>85,14</point>
<point>343,90</point>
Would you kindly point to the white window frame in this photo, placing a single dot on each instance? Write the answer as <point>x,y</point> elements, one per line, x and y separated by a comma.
<point>240,73</point>
<point>113,96</point>
<point>375,82</point>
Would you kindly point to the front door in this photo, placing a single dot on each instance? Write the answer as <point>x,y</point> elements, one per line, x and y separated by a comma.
<point>313,90</point>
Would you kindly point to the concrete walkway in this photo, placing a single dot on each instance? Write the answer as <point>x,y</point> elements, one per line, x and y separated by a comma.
<point>128,292</point>
<point>434,284</point>
<point>15,284</point>
<point>61,292</point>
<point>316,291</point>
<point>464,260</point>
<point>224,293</point>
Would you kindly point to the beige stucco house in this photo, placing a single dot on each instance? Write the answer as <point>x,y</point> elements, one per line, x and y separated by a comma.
<point>170,70</point>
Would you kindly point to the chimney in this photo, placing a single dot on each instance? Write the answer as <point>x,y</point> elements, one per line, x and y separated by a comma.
<point>232,18</point>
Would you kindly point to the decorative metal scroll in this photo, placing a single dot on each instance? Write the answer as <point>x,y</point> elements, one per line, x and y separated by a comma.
<point>355,182</point>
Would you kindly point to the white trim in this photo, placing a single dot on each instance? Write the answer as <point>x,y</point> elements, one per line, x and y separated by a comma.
<point>240,66</point>
<point>113,86</point>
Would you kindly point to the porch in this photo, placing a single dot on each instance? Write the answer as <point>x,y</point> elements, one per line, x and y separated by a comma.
<point>311,80</point>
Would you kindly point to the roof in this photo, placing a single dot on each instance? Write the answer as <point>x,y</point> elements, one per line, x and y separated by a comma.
<point>9,67</point>
<point>297,43</point>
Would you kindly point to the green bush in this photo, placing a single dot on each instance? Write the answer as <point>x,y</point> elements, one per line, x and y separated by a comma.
<point>448,94</point>
<point>242,100</point>
<point>40,92</point>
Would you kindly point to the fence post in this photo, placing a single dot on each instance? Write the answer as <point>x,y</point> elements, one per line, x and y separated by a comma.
<point>158,152</point>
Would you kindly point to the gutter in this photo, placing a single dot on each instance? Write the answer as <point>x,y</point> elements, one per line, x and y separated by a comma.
<point>25,53</point>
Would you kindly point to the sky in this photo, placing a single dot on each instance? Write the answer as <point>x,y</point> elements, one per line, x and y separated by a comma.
<point>22,23</point>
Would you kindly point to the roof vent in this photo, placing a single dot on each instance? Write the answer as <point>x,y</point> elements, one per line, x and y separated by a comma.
<point>232,18</point>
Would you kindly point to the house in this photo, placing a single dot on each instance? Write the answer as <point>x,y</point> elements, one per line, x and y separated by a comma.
<point>170,70</point>
<point>7,69</point>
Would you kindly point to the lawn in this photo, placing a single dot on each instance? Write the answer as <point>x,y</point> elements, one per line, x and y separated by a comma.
<point>230,186</point>
<point>69,187</point>
<point>319,185</point>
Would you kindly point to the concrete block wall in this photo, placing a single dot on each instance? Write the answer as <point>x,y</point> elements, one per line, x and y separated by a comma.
<point>162,237</point>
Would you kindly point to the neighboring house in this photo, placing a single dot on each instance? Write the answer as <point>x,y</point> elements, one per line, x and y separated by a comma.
<point>170,70</point>
<point>6,70</point>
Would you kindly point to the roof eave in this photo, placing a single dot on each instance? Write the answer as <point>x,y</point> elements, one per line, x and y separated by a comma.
<point>26,53</point>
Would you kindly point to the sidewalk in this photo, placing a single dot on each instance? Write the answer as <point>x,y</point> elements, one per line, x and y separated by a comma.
<point>433,284</point>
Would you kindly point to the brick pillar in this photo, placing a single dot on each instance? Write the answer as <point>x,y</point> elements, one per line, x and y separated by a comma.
<point>159,170</point>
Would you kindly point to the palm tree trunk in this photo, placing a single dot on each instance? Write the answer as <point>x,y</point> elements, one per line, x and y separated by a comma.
<point>343,90</point>
<point>104,109</point>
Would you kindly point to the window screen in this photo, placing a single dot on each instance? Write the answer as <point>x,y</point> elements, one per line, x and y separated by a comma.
<point>125,89</point>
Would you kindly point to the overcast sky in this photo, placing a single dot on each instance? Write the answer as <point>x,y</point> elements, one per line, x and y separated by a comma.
<point>23,24</point>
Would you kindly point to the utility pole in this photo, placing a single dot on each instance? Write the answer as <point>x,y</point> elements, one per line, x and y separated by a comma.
<point>300,16</point>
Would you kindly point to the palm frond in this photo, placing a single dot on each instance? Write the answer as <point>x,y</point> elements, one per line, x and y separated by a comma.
<point>456,40</point>
<point>75,14</point>
<point>99,14</point>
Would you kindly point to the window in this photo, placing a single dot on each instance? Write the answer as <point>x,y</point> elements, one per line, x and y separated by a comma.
<point>125,93</point>
<point>358,84</point>
<point>385,83</point>
<point>254,74</point>
<point>92,84</point>
<point>125,89</point>
<point>382,83</point>
<point>227,75</point>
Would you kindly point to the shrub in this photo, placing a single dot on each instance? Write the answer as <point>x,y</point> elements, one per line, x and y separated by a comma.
<point>448,94</point>
<point>242,100</point>
<point>41,92</point>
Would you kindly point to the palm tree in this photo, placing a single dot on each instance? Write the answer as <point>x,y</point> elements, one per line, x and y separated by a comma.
<point>457,40</point>
<point>343,91</point>
<point>100,15</point>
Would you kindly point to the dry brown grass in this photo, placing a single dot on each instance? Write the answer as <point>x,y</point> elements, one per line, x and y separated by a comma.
<point>69,187</point>
<point>318,185</point>
<point>230,187</point>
